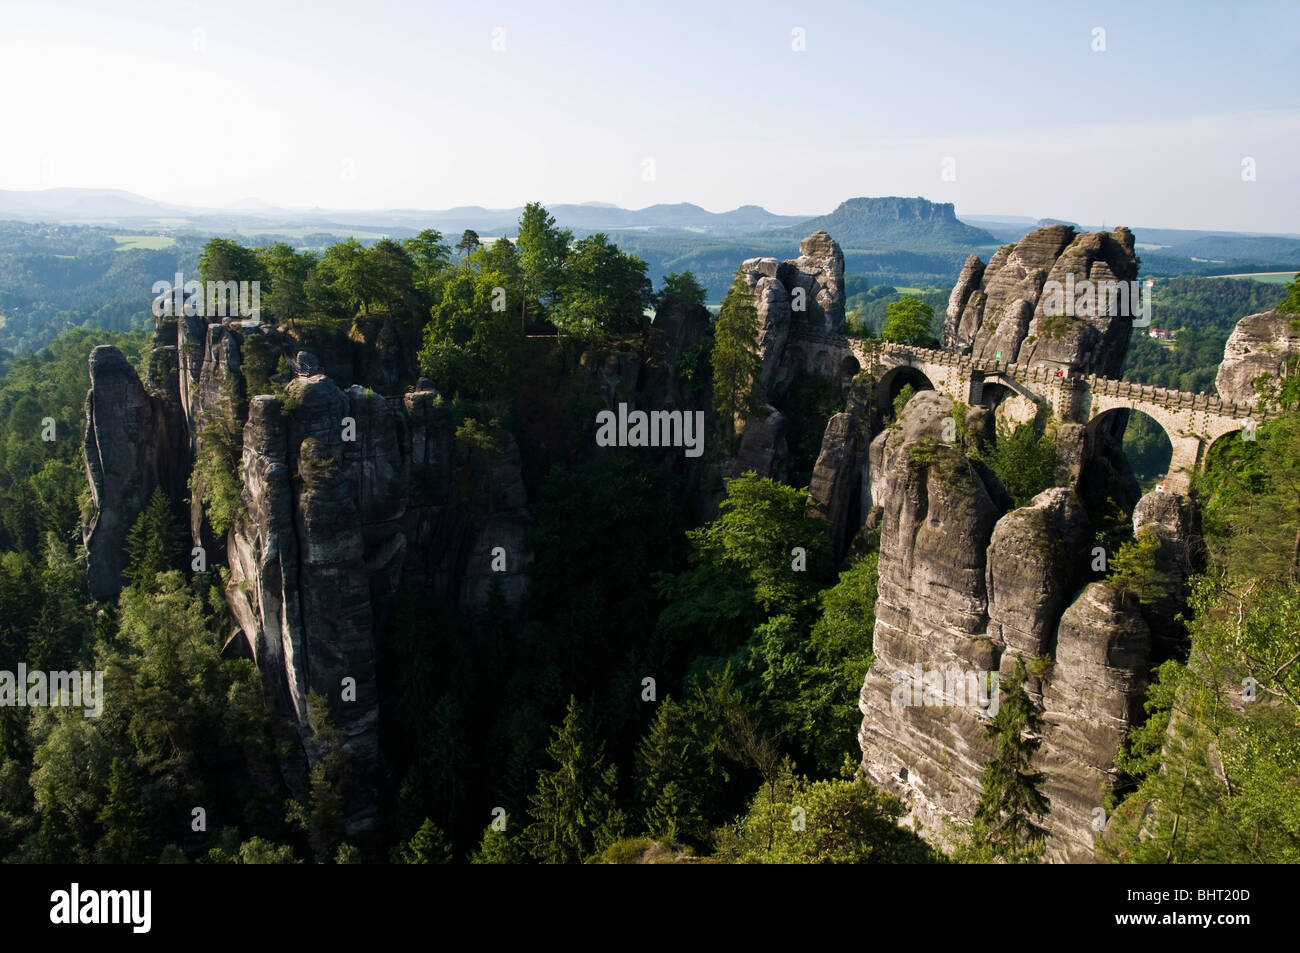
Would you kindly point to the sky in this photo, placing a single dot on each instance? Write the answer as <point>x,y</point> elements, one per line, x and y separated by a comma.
<point>1178,114</point>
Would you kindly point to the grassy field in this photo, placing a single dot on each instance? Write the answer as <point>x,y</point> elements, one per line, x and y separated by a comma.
<point>1268,277</point>
<point>148,242</point>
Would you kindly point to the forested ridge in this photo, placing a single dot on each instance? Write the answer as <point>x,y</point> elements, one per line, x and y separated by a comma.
<point>681,688</point>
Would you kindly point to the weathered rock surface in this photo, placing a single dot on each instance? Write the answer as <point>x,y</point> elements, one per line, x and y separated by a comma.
<point>1260,344</point>
<point>1093,695</point>
<point>1036,559</point>
<point>131,447</point>
<point>806,293</point>
<point>1170,517</point>
<point>1002,310</point>
<point>967,584</point>
<point>345,496</point>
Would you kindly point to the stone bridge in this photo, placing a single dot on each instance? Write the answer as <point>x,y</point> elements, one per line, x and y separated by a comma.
<point>1192,422</point>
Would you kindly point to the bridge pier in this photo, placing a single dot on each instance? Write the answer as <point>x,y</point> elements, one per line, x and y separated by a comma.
<point>1186,459</point>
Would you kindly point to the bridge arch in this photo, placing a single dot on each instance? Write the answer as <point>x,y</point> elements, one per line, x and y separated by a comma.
<point>1009,406</point>
<point>1221,443</point>
<point>1146,441</point>
<point>893,381</point>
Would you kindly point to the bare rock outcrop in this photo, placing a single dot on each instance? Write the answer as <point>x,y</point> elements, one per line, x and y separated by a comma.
<point>936,521</point>
<point>1092,697</point>
<point>1260,344</point>
<point>967,585</point>
<point>131,446</point>
<point>1000,312</point>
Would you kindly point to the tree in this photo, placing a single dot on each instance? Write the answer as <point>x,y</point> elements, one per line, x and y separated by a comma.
<point>469,241</point>
<point>603,292</point>
<point>1022,459</point>
<point>573,809</point>
<point>153,544</point>
<point>496,847</point>
<point>287,271</point>
<point>1291,303</point>
<point>394,273</point>
<point>320,812</point>
<point>431,255</point>
<point>542,251</point>
<point>681,287</point>
<point>473,346</point>
<point>842,821</point>
<point>351,271</point>
<point>427,846</point>
<point>226,260</point>
<point>666,772</point>
<point>760,523</point>
<point>1134,571</point>
<point>1004,828</point>
<point>737,361</point>
<point>908,321</point>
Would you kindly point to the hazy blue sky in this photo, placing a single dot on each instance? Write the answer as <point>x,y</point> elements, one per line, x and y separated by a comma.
<point>377,104</point>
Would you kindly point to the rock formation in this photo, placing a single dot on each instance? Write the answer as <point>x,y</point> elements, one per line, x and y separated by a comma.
<point>967,584</point>
<point>1260,344</point>
<point>345,495</point>
<point>1002,310</point>
<point>131,446</point>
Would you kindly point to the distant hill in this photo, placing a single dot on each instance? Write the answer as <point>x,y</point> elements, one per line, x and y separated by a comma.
<point>128,210</point>
<point>871,224</point>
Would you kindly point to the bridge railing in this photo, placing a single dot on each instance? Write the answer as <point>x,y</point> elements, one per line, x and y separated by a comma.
<point>1167,398</point>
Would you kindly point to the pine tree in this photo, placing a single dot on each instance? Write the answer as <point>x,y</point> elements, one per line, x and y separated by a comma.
<point>1004,829</point>
<point>153,544</point>
<point>665,768</point>
<point>573,809</point>
<point>737,360</point>
<point>1135,572</point>
<point>124,840</point>
<point>427,846</point>
<point>496,847</point>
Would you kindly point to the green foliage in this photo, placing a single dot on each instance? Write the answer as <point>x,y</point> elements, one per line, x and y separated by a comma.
<point>497,847</point>
<point>760,524</point>
<point>1134,572</point>
<point>319,812</point>
<point>736,359</point>
<point>1291,303</point>
<point>215,478</point>
<point>428,846</point>
<point>1005,828</point>
<point>695,366</point>
<point>603,292</point>
<point>1023,460</point>
<point>901,401</point>
<point>543,249</point>
<point>573,810</point>
<point>153,544</point>
<point>797,821</point>
<point>681,287</point>
<point>908,321</point>
<point>473,345</point>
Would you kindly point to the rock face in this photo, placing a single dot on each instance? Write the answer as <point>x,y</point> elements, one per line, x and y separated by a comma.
<point>966,585</point>
<point>1259,344</point>
<point>1094,694</point>
<point>805,293</point>
<point>345,496</point>
<point>1002,309</point>
<point>131,447</point>
<point>1171,518</point>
